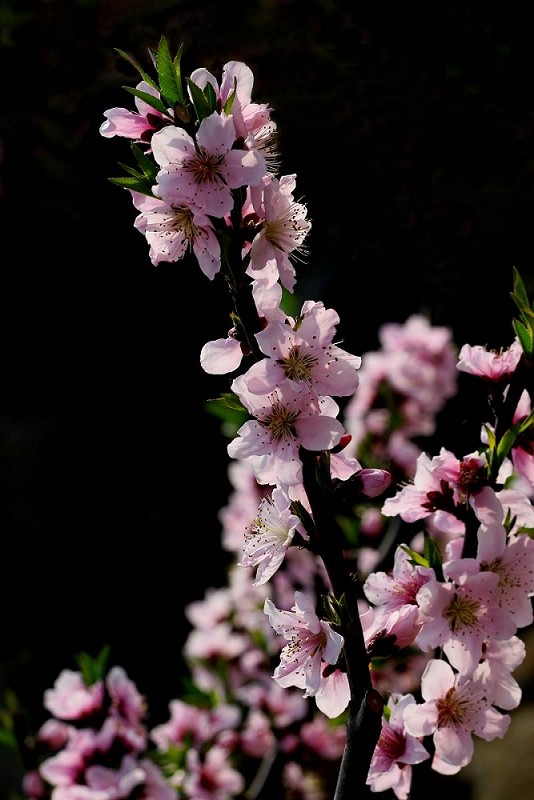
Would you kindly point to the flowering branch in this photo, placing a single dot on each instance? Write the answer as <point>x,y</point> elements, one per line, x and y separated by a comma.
<point>390,586</point>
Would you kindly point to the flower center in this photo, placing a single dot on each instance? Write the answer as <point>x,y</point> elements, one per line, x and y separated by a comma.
<point>392,742</point>
<point>461,613</point>
<point>450,709</point>
<point>281,422</point>
<point>297,365</point>
<point>206,167</point>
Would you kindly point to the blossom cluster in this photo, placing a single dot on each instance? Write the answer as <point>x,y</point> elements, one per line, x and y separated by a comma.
<point>367,574</point>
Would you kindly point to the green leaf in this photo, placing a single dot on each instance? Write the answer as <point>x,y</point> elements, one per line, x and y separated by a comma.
<point>510,437</point>
<point>524,335</point>
<point>177,64</point>
<point>155,102</point>
<point>133,184</point>
<point>132,171</point>
<point>490,433</point>
<point>519,294</point>
<point>149,167</point>
<point>211,97</point>
<point>432,554</point>
<point>229,400</point>
<point>201,101</point>
<point>415,558</point>
<point>93,669</point>
<point>140,70</point>
<point>169,86</point>
<point>227,108</point>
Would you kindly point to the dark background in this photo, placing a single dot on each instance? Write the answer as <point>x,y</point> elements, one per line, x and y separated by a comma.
<point>411,132</point>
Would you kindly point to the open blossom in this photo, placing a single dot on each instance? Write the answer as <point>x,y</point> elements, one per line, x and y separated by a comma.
<point>71,698</point>
<point>283,229</point>
<point>454,708</point>
<point>392,591</point>
<point>310,642</point>
<point>492,365</point>
<point>303,352</point>
<point>205,170</point>
<point>249,117</point>
<point>285,420</point>
<point>396,751</point>
<point>172,230</point>
<point>461,615</point>
<point>495,668</point>
<point>269,536</point>
<point>439,486</point>
<point>511,558</point>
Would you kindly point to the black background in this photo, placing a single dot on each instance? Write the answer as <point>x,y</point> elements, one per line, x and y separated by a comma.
<point>411,132</point>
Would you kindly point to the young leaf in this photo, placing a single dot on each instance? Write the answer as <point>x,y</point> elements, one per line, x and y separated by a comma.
<point>230,99</point>
<point>155,102</point>
<point>134,185</point>
<point>170,89</point>
<point>524,335</point>
<point>149,168</point>
<point>415,558</point>
<point>519,294</point>
<point>432,554</point>
<point>228,400</point>
<point>177,64</point>
<point>201,102</point>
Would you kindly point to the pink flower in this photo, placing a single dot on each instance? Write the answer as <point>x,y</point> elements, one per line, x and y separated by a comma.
<point>303,353</point>
<point>269,536</point>
<point>440,485</point>
<point>126,701</point>
<point>494,671</point>
<point>283,228</point>
<point>461,616</point>
<point>489,364</point>
<point>401,586</point>
<point>310,642</point>
<point>211,777</point>
<point>327,740</point>
<point>522,453</point>
<point>511,558</point>
<point>207,170</point>
<point>396,751</point>
<point>219,641</point>
<point>186,722</point>
<point>139,125</point>
<point>387,631</point>
<point>285,420</point>
<point>455,708</point>
<point>249,117</point>
<point>71,698</point>
<point>174,229</point>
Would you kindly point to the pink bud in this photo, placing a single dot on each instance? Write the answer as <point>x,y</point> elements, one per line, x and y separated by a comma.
<point>374,481</point>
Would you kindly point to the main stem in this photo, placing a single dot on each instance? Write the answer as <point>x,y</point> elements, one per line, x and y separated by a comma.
<point>366,705</point>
